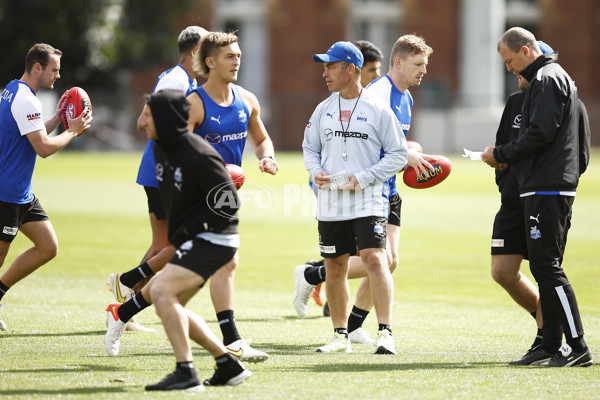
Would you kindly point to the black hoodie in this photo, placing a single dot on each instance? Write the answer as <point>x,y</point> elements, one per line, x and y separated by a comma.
<point>547,153</point>
<point>195,187</point>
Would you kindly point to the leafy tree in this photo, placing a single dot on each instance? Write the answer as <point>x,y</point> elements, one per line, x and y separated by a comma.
<point>98,38</point>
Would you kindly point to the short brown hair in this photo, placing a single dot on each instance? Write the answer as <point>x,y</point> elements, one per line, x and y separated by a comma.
<point>407,45</point>
<point>40,53</point>
<point>209,45</point>
<point>515,38</point>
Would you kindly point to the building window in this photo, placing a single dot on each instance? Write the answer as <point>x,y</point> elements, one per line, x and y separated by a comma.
<point>379,22</point>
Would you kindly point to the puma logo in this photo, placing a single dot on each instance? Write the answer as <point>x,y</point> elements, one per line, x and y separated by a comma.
<point>217,120</point>
<point>329,115</point>
<point>536,218</point>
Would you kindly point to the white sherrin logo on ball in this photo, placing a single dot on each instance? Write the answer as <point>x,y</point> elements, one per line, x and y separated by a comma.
<point>71,110</point>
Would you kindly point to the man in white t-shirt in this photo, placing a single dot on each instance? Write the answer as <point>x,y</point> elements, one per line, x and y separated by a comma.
<point>343,143</point>
<point>24,136</point>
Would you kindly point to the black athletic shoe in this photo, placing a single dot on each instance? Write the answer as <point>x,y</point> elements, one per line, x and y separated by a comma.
<point>326,311</point>
<point>232,374</point>
<point>315,263</point>
<point>178,381</point>
<point>566,357</point>
<point>534,356</point>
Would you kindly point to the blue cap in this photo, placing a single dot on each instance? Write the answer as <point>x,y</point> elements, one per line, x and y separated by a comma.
<point>544,47</point>
<point>342,51</point>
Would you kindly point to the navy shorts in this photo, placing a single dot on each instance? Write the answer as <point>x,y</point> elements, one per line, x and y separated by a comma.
<point>202,257</point>
<point>154,203</point>
<point>344,237</point>
<point>13,215</point>
<point>395,207</point>
<point>508,234</point>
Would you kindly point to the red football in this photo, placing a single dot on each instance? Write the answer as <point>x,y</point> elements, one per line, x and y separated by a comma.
<point>75,102</point>
<point>237,174</point>
<point>411,144</point>
<point>427,179</point>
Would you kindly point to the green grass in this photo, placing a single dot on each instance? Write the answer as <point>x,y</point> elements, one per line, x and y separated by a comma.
<point>455,328</point>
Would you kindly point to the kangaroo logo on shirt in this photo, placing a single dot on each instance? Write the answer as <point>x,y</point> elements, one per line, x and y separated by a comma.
<point>178,177</point>
<point>159,172</point>
<point>243,116</point>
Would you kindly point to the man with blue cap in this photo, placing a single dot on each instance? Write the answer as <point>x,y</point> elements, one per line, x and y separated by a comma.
<point>343,143</point>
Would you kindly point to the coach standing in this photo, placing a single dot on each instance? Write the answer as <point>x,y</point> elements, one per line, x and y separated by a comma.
<point>546,156</point>
<point>345,137</point>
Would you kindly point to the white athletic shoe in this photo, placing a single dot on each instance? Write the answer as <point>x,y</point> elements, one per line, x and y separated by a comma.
<point>116,328</point>
<point>2,324</point>
<point>360,336</point>
<point>302,290</point>
<point>121,292</point>
<point>384,343</point>
<point>339,343</point>
<point>242,351</point>
<point>134,326</point>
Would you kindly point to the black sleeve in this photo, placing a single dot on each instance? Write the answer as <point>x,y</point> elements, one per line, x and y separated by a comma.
<point>545,113</point>
<point>584,138</point>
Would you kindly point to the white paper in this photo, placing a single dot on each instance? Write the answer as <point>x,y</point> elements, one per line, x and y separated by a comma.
<point>473,155</point>
<point>338,179</point>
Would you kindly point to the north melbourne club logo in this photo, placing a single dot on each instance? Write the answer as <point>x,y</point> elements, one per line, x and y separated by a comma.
<point>242,116</point>
<point>535,233</point>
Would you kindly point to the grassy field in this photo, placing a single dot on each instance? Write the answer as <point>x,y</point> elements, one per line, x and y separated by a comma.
<point>455,329</point>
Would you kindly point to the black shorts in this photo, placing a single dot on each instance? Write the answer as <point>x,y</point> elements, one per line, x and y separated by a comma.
<point>508,234</point>
<point>154,203</point>
<point>202,256</point>
<point>342,237</point>
<point>13,215</point>
<point>395,207</point>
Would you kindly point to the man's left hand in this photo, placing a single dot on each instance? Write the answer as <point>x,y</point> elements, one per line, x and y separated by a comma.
<point>268,165</point>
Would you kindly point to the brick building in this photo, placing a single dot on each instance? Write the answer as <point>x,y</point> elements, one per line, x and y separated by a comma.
<point>460,101</point>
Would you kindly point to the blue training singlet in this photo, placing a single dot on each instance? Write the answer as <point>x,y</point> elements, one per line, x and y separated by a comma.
<point>175,78</point>
<point>20,114</point>
<point>401,104</point>
<point>226,128</point>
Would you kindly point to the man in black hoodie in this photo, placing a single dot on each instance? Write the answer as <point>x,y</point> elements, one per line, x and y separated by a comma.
<point>546,156</point>
<point>201,204</point>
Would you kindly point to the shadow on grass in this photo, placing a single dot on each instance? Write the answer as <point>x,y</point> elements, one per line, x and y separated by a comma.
<point>46,334</point>
<point>71,391</point>
<point>74,368</point>
<point>367,367</point>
